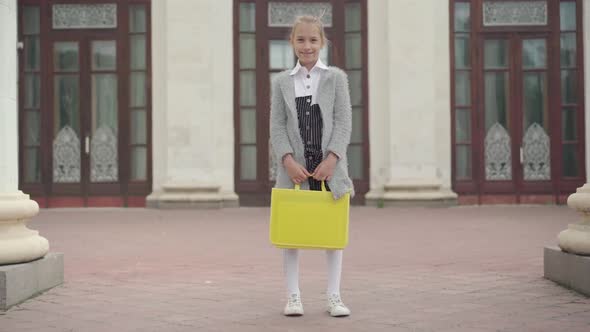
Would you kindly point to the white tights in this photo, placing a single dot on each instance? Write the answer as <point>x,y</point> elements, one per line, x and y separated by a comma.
<point>291,267</point>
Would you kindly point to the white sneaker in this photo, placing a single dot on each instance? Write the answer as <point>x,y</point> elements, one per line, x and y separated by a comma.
<point>335,306</point>
<point>294,306</point>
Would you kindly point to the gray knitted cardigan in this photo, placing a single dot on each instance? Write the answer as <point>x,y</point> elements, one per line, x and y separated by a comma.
<point>334,100</point>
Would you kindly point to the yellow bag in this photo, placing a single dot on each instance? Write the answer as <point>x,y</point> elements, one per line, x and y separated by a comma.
<point>308,219</point>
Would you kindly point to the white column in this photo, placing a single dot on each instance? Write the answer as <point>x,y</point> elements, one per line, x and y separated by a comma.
<point>17,242</point>
<point>586,28</point>
<point>193,129</point>
<point>576,238</point>
<point>409,98</point>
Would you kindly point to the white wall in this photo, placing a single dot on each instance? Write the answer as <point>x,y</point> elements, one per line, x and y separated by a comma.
<point>159,95</point>
<point>379,86</point>
<point>442,90</point>
<point>409,84</point>
<point>193,93</point>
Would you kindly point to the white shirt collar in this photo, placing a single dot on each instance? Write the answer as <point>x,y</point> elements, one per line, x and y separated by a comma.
<point>318,64</point>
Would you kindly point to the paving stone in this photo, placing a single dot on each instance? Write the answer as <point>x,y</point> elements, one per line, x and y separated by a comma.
<point>406,269</point>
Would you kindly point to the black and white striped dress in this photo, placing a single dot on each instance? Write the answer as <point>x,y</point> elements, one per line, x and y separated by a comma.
<point>310,128</point>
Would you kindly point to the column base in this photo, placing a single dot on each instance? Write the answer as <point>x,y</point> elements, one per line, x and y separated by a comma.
<point>412,193</point>
<point>191,196</point>
<point>18,244</point>
<point>575,239</point>
<point>19,282</point>
<point>567,269</point>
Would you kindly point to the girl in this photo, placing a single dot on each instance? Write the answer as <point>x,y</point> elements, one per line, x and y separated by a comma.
<point>310,126</point>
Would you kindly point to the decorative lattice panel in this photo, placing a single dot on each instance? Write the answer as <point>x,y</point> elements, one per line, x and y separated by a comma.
<point>497,154</point>
<point>103,156</point>
<point>282,14</point>
<point>85,16</point>
<point>66,156</point>
<point>507,13</point>
<point>536,154</point>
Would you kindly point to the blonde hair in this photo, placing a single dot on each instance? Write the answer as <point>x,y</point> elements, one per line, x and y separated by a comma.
<point>309,19</point>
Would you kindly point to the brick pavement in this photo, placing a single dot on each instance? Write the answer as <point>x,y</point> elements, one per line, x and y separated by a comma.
<point>406,269</point>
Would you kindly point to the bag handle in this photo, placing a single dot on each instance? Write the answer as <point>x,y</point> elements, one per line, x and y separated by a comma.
<point>298,187</point>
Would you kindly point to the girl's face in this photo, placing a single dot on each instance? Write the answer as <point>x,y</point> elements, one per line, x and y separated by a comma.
<point>307,44</point>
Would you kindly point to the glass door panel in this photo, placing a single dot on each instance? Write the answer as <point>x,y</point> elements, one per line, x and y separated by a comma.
<point>353,64</point>
<point>66,108</point>
<point>248,115</point>
<point>497,141</point>
<point>104,112</point>
<point>138,105</point>
<point>31,92</point>
<point>572,112</point>
<point>281,57</point>
<point>535,153</point>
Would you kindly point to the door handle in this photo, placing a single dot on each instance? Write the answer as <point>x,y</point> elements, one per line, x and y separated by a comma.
<point>87,144</point>
<point>521,156</point>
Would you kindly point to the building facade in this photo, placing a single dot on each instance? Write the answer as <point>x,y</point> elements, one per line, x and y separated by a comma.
<point>166,103</point>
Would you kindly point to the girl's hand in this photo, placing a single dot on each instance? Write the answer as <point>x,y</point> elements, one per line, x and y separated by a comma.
<point>325,169</point>
<point>296,172</point>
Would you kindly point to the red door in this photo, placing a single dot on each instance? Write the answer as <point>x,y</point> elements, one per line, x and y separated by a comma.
<point>85,108</point>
